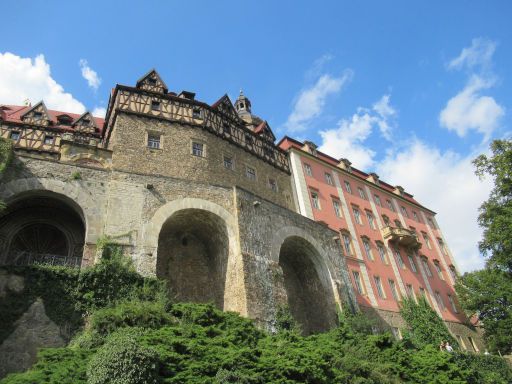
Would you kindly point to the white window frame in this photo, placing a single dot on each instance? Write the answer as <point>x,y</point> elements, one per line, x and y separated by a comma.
<point>272,184</point>
<point>452,303</point>
<point>198,149</point>
<point>250,175</point>
<point>371,220</point>
<point>413,264</point>
<point>357,215</point>
<point>231,161</point>
<point>336,204</point>
<point>328,178</point>
<point>377,200</point>
<point>358,282</point>
<point>380,288</point>
<point>367,248</point>
<point>362,195</point>
<point>348,188</point>
<point>382,253</point>
<point>154,140</point>
<point>315,199</point>
<point>347,243</point>
<point>307,169</point>
<point>392,287</point>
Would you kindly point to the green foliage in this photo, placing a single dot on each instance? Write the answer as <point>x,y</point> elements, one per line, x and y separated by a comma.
<point>488,294</point>
<point>122,360</point>
<point>6,153</point>
<point>76,176</point>
<point>285,321</point>
<point>141,338</point>
<point>496,213</point>
<point>425,327</point>
<point>484,369</point>
<point>55,366</point>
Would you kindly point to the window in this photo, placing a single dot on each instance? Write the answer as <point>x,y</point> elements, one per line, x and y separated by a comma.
<point>415,215</point>
<point>377,200</point>
<point>453,272</point>
<point>398,224</point>
<point>367,249</point>
<point>399,258</point>
<point>248,139</point>
<point>15,135</point>
<point>38,115</point>
<point>272,184</point>
<point>358,283</point>
<point>328,178</point>
<point>228,163</point>
<point>198,149</point>
<point>371,220</point>
<point>357,216</point>
<point>382,253</point>
<point>404,211</point>
<point>48,140</point>
<point>347,242</point>
<point>153,141</point>
<point>423,293</point>
<point>226,128</point>
<point>427,240</point>
<point>441,245</point>
<point>452,303</point>
<point>362,195</point>
<point>439,270</point>
<point>155,105</point>
<point>410,291</point>
<point>337,207</point>
<point>431,222</point>
<point>378,284</point>
<point>347,187</point>
<point>413,265</point>
<point>385,219</point>
<point>250,173</point>
<point>151,81</point>
<point>196,113</point>
<point>439,300</point>
<point>425,265</point>
<point>392,286</point>
<point>307,169</point>
<point>315,200</point>
<point>390,205</point>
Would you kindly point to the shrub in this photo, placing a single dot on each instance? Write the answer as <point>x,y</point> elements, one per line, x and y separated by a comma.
<point>425,327</point>
<point>122,360</point>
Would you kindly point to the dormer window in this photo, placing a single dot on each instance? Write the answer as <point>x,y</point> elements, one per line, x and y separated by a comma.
<point>86,122</point>
<point>196,113</point>
<point>155,105</point>
<point>64,120</point>
<point>151,81</point>
<point>38,115</point>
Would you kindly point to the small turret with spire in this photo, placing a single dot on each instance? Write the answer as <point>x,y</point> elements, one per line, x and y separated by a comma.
<point>243,108</point>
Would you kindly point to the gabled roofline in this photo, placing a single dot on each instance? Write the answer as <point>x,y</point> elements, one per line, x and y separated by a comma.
<point>34,107</point>
<point>147,75</point>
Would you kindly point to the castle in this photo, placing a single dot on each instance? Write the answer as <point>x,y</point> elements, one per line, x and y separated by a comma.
<point>202,196</point>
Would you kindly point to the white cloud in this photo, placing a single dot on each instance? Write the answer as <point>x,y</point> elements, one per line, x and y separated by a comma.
<point>470,109</point>
<point>479,54</point>
<point>99,111</point>
<point>311,101</point>
<point>348,138</point>
<point>26,78</point>
<point>446,183</point>
<point>93,80</point>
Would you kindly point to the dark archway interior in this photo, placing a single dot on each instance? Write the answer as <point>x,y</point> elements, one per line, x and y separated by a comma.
<point>41,227</point>
<point>193,250</point>
<point>309,299</point>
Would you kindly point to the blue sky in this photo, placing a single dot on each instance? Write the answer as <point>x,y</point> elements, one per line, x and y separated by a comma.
<point>412,90</point>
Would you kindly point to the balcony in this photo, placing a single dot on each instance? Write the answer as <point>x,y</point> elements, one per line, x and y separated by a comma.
<point>30,258</point>
<point>401,236</point>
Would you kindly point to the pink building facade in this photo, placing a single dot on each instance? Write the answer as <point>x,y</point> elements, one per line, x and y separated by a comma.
<point>393,245</point>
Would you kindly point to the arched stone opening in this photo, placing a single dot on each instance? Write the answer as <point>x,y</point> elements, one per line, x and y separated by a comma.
<point>41,226</point>
<point>308,290</point>
<point>193,251</point>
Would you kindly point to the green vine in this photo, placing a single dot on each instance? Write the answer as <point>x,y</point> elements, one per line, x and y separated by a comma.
<point>6,154</point>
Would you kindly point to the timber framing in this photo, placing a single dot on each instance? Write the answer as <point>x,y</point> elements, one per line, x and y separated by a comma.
<point>171,108</point>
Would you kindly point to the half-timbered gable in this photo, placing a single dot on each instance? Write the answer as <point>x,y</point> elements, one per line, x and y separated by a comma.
<point>85,123</point>
<point>38,115</point>
<point>265,132</point>
<point>152,82</point>
<point>225,106</point>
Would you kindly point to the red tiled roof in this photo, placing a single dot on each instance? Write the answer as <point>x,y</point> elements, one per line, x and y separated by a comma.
<point>13,113</point>
<point>287,142</point>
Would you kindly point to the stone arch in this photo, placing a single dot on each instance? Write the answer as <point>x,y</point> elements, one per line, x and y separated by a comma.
<point>193,241</point>
<point>307,280</point>
<point>42,226</point>
<point>84,204</point>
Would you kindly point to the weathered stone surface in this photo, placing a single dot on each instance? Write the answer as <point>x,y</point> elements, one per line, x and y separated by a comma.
<point>33,330</point>
<point>10,283</point>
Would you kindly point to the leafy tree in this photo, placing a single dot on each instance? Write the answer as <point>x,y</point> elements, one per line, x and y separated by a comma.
<point>488,293</point>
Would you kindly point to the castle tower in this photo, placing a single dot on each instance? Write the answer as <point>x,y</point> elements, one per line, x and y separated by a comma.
<point>243,108</point>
